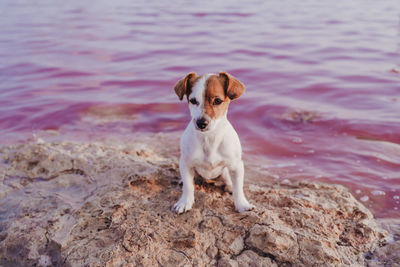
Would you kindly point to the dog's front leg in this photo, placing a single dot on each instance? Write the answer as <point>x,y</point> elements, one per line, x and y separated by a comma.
<point>185,203</point>
<point>237,173</point>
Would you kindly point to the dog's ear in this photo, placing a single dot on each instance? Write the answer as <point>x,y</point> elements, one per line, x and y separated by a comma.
<point>232,86</point>
<point>184,85</point>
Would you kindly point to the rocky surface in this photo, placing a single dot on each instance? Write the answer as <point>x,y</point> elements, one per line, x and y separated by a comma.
<point>388,255</point>
<point>98,204</point>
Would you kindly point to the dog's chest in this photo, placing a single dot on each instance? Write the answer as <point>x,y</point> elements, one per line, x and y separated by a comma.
<point>208,159</point>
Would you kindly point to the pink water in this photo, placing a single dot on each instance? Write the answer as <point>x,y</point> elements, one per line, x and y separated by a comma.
<point>323,79</point>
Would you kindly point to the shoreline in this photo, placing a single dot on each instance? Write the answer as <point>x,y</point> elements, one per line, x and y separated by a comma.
<point>108,203</point>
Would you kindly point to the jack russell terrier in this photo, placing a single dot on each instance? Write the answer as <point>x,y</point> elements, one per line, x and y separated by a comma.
<point>210,146</point>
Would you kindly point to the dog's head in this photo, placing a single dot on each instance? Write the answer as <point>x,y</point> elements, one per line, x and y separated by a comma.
<point>208,97</point>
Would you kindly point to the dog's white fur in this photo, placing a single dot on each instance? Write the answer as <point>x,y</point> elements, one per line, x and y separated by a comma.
<point>210,153</point>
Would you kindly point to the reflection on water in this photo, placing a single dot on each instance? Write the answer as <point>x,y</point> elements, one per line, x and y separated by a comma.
<point>322,99</point>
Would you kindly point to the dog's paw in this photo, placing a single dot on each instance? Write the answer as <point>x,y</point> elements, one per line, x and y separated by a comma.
<point>183,205</point>
<point>228,188</point>
<point>244,206</point>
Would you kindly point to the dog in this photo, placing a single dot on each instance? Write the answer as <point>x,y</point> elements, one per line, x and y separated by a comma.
<point>210,146</point>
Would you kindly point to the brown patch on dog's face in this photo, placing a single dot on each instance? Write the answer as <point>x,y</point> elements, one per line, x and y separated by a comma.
<point>216,101</point>
<point>210,96</point>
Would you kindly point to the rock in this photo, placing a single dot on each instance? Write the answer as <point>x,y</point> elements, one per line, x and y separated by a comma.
<point>317,252</point>
<point>250,258</point>
<point>237,245</point>
<point>174,258</point>
<point>276,240</point>
<point>388,255</point>
<point>226,262</point>
<point>212,251</point>
<point>109,205</point>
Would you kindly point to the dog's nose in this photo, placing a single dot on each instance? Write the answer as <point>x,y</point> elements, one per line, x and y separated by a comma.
<point>201,123</point>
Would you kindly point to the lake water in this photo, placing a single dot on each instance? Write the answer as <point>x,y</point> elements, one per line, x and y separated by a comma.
<point>323,79</point>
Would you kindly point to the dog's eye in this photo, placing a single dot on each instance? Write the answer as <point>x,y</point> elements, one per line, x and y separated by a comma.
<point>194,101</point>
<point>217,101</point>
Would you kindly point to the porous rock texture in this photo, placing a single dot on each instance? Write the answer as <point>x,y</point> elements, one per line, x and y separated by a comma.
<point>98,204</point>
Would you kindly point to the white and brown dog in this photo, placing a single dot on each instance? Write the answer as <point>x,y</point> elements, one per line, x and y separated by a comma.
<point>210,146</point>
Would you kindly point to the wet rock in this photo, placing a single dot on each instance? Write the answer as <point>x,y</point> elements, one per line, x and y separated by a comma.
<point>389,254</point>
<point>97,205</point>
